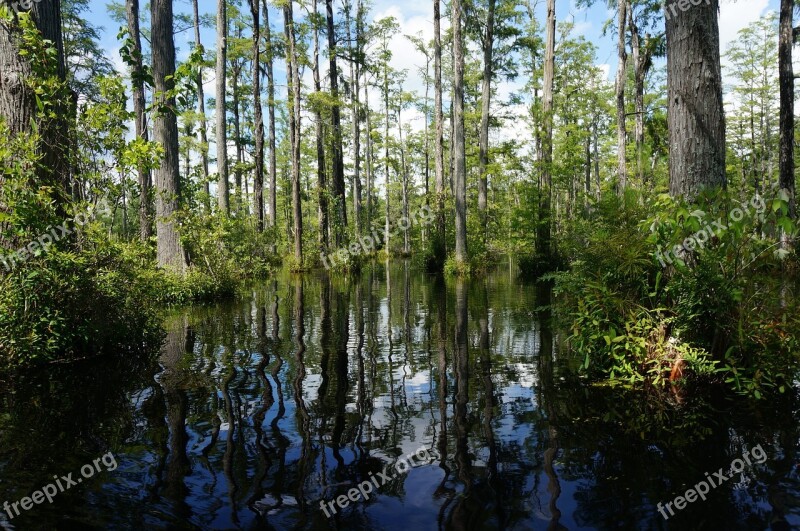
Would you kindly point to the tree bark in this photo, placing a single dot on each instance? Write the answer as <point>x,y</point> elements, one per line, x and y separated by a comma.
<point>543,235</point>
<point>786,80</point>
<point>459,157</point>
<point>294,129</point>
<point>355,80</point>
<point>322,185</point>
<point>622,59</point>
<point>165,133</point>
<point>18,104</point>
<point>642,60</point>
<point>695,116</point>
<point>340,208</point>
<point>258,178</point>
<point>439,244</point>
<point>201,109</point>
<point>222,133</point>
<point>137,81</point>
<point>369,166</point>
<point>486,95</point>
<point>272,144</point>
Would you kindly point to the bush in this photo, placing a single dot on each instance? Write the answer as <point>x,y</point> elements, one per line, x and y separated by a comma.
<point>635,310</point>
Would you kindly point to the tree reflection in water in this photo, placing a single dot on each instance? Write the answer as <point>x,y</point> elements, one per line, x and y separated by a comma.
<point>256,410</point>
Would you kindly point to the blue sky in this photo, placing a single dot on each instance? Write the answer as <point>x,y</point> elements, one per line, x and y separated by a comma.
<point>416,17</point>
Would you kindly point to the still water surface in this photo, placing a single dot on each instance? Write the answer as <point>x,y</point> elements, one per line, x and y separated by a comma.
<point>257,410</point>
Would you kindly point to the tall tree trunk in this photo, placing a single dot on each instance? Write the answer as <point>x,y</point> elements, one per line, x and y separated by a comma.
<point>696,120</point>
<point>272,144</point>
<point>622,60</point>
<point>641,64</point>
<point>369,166</point>
<point>165,133</point>
<point>137,81</point>
<point>258,178</point>
<point>459,156</point>
<point>355,94</point>
<point>236,73</point>
<point>322,185</point>
<point>18,104</point>
<point>786,80</point>
<point>406,247</point>
<point>543,235</point>
<point>439,245</point>
<point>340,208</point>
<point>223,200</point>
<point>486,95</point>
<point>201,109</point>
<point>294,129</point>
<point>387,222</point>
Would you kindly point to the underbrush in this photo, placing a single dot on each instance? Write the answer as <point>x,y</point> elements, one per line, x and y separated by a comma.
<point>648,299</point>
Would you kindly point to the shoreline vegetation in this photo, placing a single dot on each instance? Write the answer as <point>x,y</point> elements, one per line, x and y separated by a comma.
<point>575,205</point>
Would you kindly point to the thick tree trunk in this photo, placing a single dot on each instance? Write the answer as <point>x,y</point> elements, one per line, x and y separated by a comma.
<point>695,115</point>
<point>18,104</point>
<point>459,157</point>
<point>322,185</point>
<point>258,178</point>
<point>222,133</point>
<point>622,60</point>
<point>340,208</point>
<point>440,245</point>
<point>294,129</point>
<point>165,133</point>
<point>272,144</point>
<point>201,109</point>
<point>786,79</point>
<point>543,235</point>
<point>486,95</point>
<point>137,81</point>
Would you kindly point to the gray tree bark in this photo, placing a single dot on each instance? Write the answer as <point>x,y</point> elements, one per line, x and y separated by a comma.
<point>294,129</point>
<point>137,81</point>
<point>18,104</point>
<point>258,178</point>
<point>695,114</point>
<point>338,189</point>
<point>440,245</point>
<point>165,133</point>
<point>322,185</point>
<point>622,60</point>
<point>459,157</point>
<point>223,193</point>
<point>486,95</point>
<point>543,236</point>
<point>201,109</point>
<point>786,80</point>
<point>271,105</point>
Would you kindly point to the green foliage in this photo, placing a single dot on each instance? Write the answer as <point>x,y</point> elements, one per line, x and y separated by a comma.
<point>226,249</point>
<point>69,304</point>
<point>713,306</point>
<point>457,268</point>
